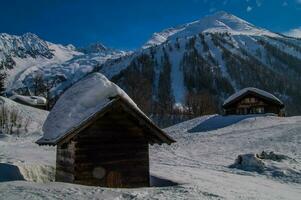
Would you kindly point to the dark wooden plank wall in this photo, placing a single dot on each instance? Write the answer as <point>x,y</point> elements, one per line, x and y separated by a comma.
<point>112,152</point>
<point>65,160</point>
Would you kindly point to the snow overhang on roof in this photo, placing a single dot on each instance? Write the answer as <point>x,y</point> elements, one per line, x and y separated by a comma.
<point>249,90</point>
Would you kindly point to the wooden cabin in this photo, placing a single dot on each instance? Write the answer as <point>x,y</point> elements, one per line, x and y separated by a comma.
<point>109,149</point>
<point>253,101</point>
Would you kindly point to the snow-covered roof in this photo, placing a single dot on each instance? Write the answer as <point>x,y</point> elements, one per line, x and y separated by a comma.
<point>244,91</point>
<point>31,100</point>
<point>80,103</point>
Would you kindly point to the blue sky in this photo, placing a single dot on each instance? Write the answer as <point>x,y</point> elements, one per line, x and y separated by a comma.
<point>127,24</point>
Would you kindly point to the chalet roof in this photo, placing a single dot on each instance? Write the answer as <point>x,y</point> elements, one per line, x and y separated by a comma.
<point>251,90</point>
<point>87,101</point>
<point>31,100</point>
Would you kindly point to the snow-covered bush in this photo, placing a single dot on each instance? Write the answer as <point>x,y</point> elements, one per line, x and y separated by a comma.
<point>272,156</point>
<point>11,122</point>
<point>249,162</point>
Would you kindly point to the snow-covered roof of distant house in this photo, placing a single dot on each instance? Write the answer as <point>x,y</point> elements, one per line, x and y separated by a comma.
<point>31,100</point>
<point>248,90</point>
<point>82,102</point>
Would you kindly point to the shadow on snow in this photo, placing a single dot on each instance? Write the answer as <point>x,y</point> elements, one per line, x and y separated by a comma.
<point>10,172</point>
<point>219,121</point>
<point>161,182</point>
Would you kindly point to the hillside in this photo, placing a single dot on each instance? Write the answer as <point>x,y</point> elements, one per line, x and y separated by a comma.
<point>198,166</point>
<point>209,59</point>
<point>30,117</point>
<point>198,63</point>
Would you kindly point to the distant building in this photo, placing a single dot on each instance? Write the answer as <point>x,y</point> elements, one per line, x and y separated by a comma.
<point>253,101</point>
<point>33,101</point>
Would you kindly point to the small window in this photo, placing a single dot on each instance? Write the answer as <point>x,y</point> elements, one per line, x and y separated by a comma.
<point>260,110</point>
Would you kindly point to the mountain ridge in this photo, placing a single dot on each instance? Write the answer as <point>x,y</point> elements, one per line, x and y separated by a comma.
<point>219,22</point>
<point>212,60</point>
<point>207,59</point>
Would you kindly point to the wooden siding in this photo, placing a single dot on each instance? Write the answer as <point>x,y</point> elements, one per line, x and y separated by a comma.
<point>111,152</point>
<point>250,103</point>
<point>65,160</point>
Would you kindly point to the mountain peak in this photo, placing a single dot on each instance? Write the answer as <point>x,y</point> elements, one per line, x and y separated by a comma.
<point>30,35</point>
<point>219,22</point>
<point>221,13</point>
<point>94,48</point>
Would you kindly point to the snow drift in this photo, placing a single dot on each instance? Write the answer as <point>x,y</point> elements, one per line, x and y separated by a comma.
<point>19,157</point>
<point>271,164</point>
<point>33,117</point>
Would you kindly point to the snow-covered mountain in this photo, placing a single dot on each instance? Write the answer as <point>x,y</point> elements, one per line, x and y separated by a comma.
<point>211,57</point>
<point>20,53</point>
<point>220,22</point>
<point>24,46</point>
<point>205,61</point>
<point>64,74</point>
<point>97,48</point>
<point>23,57</point>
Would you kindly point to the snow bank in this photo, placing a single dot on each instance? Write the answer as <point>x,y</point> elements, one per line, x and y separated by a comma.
<point>20,158</point>
<point>37,172</point>
<point>249,162</point>
<point>28,172</point>
<point>78,103</point>
<point>277,166</point>
<point>32,116</point>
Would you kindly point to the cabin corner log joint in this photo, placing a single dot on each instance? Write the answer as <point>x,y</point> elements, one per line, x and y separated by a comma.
<point>253,101</point>
<point>110,149</point>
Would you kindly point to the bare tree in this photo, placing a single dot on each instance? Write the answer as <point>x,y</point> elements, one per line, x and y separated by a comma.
<point>11,121</point>
<point>2,83</point>
<point>43,86</point>
<point>139,88</point>
<point>201,103</point>
<point>38,83</point>
<point>26,124</point>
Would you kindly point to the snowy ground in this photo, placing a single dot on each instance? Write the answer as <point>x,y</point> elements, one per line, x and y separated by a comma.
<point>199,162</point>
